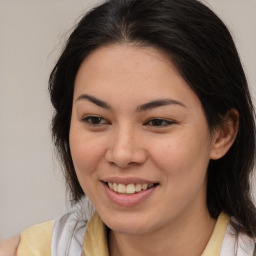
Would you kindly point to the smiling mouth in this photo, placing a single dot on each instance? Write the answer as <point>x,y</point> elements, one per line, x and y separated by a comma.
<point>129,189</point>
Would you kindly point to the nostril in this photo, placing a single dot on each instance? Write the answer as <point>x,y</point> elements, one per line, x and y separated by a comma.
<point>125,156</point>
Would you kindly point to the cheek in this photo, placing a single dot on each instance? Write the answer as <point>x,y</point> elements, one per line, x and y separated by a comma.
<point>182,156</point>
<point>85,152</point>
<point>183,164</point>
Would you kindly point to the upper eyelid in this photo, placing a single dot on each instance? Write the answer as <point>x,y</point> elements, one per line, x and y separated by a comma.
<point>159,118</point>
<point>161,126</point>
<point>83,118</point>
<point>87,117</point>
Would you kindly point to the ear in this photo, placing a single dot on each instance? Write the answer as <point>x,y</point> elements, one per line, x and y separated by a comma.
<point>225,135</point>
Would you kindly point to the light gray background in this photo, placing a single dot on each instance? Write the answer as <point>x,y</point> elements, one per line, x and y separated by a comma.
<point>31,36</point>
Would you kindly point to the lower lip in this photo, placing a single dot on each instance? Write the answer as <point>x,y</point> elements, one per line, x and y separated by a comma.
<point>128,200</point>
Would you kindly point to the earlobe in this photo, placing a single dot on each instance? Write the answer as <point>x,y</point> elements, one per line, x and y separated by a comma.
<point>225,135</point>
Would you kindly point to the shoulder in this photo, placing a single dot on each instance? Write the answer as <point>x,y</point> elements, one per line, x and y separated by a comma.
<point>9,247</point>
<point>56,237</point>
<point>36,240</point>
<point>68,234</point>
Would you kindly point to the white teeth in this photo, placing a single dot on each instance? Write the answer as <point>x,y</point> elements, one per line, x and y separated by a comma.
<point>138,187</point>
<point>115,187</point>
<point>130,188</point>
<point>110,185</point>
<point>121,188</point>
<point>144,186</point>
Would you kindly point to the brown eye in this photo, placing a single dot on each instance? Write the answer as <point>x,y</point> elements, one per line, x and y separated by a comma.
<point>95,120</point>
<point>159,122</point>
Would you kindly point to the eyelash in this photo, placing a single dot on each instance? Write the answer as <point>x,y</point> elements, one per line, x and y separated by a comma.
<point>159,122</point>
<point>96,121</point>
<point>90,120</point>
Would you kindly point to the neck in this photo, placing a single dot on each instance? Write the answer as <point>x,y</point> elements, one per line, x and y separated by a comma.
<point>187,235</point>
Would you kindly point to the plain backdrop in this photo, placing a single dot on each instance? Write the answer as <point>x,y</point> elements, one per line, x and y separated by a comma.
<point>32,33</point>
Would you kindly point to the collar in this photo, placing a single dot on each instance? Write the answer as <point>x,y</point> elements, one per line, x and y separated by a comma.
<point>95,239</point>
<point>214,244</point>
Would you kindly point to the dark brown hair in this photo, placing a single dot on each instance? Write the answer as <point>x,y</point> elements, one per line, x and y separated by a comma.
<point>201,47</point>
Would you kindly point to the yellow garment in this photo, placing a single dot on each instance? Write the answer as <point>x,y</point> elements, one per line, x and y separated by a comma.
<point>36,240</point>
<point>213,246</point>
<point>95,239</point>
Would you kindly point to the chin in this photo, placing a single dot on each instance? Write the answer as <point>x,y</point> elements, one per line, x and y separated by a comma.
<point>128,225</point>
<point>129,229</point>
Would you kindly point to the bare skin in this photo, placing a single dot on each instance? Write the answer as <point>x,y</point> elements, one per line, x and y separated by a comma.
<point>9,247</point>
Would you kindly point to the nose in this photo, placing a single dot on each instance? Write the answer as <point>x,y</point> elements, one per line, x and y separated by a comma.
<point>126,148</point>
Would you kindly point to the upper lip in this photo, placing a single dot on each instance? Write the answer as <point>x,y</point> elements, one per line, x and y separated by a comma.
<point>128,180</point>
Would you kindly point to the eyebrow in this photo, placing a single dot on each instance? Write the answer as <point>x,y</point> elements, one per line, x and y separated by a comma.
<point>94,100</point>
<point>141,108</point>
<point>158,103</point>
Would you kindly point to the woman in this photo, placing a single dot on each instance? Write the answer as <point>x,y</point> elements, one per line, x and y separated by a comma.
<point>154,124</point>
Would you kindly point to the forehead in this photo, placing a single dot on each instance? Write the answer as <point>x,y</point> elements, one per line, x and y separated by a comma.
<point>131,54</point>
<point>129,72</point>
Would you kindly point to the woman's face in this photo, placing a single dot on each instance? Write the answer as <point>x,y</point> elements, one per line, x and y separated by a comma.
<point>138,127</point>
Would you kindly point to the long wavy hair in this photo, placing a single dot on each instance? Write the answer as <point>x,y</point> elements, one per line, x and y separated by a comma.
<point>202,49</point>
